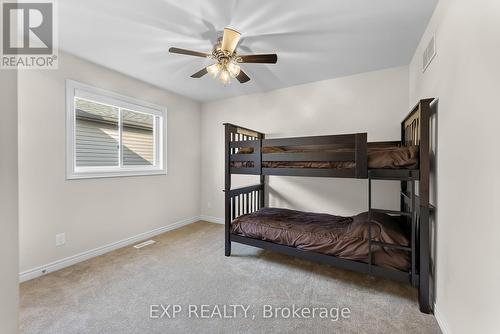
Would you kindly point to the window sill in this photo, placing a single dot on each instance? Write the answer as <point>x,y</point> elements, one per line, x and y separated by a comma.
<point>101,174</point>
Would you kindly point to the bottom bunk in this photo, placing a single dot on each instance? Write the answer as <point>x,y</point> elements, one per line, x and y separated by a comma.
<point>343,237</point>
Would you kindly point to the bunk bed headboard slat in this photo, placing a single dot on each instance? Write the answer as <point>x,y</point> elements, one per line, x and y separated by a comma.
<point>416,123</point>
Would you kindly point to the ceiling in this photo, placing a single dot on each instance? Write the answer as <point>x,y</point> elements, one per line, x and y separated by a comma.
<point>314,39</point>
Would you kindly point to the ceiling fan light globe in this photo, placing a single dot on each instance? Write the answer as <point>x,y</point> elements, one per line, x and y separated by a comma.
<point>233,69</point>
<point>214,69</point>
<point>225,77</point>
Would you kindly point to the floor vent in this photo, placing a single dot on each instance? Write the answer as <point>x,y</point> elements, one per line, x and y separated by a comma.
<point>144,244</point>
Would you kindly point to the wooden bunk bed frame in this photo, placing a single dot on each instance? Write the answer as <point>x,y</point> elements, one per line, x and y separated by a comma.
<point>414,208</point>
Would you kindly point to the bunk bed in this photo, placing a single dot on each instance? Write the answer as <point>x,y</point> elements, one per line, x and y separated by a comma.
<point>384,243</point>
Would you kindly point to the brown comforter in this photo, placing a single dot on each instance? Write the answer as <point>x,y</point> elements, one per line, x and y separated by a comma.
<point>382,157</point>
<point>343,237</point>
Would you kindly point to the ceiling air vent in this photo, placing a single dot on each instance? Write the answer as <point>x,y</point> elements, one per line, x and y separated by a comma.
<point>429,53</point>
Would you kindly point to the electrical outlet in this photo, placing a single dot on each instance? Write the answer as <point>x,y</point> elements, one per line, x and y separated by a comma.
<point>60,239</point>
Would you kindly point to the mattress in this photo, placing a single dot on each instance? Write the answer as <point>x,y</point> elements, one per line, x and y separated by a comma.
<point>343,237</point>
<point>383,157</point>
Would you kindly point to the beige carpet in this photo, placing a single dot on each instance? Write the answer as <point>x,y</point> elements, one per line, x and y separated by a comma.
<point>113,293</point>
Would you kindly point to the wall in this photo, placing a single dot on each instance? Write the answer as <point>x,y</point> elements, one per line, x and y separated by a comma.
<point>96,212</point>
<point>9,245</point>
<point>465,76</point>
<point>358,103</point>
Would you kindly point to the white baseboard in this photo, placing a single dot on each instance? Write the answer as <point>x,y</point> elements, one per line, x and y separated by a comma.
<point>211,219</point>
<point>66,262</point>
<point>441,321</point>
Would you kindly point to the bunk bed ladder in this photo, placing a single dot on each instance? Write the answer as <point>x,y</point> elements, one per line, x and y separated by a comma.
<point>407,213</point>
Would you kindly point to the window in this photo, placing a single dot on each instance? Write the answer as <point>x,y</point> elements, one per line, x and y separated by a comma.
<point>112,135</point>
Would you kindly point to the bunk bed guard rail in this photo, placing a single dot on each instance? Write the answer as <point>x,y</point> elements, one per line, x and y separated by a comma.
<point>250,153</point>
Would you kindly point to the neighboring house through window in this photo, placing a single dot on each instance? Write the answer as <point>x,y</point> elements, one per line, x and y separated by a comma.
<point>113,135</point>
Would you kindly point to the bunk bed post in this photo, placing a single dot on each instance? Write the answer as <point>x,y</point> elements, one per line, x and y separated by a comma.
<point>423,187</point>
<point>415,130</point>
<point>361,155</point>
<point>262,176</point>
<point>227,188</point>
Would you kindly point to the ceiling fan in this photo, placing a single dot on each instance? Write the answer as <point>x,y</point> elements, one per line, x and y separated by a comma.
<point>227,60</point>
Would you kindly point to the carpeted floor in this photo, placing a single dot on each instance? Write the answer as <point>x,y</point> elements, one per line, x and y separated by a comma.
<point>113,293</point>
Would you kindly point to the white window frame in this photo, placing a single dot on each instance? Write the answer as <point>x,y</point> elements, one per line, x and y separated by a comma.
<point>79,90</point>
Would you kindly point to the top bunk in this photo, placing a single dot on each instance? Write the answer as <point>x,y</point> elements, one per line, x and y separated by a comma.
<point>342,156</point>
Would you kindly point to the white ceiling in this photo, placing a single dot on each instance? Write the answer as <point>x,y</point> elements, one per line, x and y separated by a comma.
<point>314,39</point>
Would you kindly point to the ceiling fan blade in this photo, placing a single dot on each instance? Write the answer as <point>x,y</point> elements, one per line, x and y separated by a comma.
<point>200,73</point>
<point>242,77</point>
<point>188,52</point>
<point>230,40</point>
<point>264,58</point>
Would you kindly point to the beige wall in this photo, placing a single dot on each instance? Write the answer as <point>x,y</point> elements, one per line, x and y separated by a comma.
<point>8,203</point>
<point>96,212</point>
<point>369,102</point>
<point>465,76</point>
